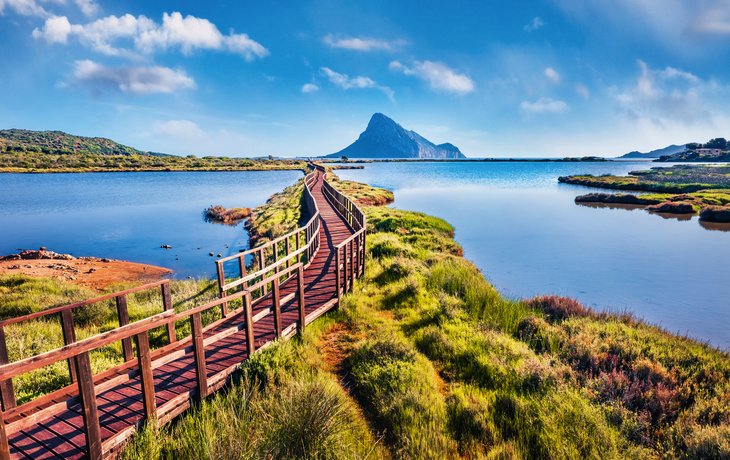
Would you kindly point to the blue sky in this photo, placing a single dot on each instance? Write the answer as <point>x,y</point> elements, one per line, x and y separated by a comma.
<point>547,78</point>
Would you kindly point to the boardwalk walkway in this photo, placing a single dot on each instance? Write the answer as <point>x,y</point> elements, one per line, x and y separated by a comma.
<point>61,424</point>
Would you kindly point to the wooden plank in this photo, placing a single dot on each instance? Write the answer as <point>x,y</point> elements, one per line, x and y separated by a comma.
<point>337,277</point>
<point>89,410</point>
<point>300,286</point>
<point>199,352</point>
<point>7,392</point>
<point>83,346</point>
<point>277,307</point>
<point>123,314</point>
<point>250,345</point>
<point>4,446</point>
<point>352,265</point>
<point>261,269</point>
<point>144,364</point>
<point>168,306</point>
<point>221,292</point>
<point>242,268</point>
<point>69,337</point>
<point>276,257</point>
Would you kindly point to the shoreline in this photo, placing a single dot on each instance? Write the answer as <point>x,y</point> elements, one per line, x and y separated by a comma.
<point>90,272</point>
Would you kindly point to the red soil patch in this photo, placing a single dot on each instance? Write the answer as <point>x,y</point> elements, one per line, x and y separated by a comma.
<point>90,272</point>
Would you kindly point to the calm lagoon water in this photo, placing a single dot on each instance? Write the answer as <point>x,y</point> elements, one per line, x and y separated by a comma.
<point>515,221</point>
<point>128,216</point>
<point>524,231</point>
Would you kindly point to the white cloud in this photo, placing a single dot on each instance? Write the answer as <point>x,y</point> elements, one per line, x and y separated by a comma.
<point>552,75</point>
<point>132,80</point>
<point>534,24</point>
<point>363,44</point>
<point>543,105</point>
<point>23,7</point>
<point>670,96</point>
<point>438,75</point>
<point>310,88</point>
<point>188,33</point>
<point>179,129</point>
<point>342,81</point>
<point>88,7</point>
<point>582,91</point>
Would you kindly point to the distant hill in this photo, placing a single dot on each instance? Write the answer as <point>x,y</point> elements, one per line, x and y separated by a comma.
<point>384,138</point>
<point>59,143</point>
<point>671,150</point>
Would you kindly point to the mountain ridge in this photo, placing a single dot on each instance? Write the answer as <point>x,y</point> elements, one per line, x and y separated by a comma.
<point>670,150</point>
<point>384,138</point>
<point>60,143</point>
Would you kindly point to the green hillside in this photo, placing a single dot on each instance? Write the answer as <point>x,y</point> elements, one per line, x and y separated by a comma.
<point>60,143</point>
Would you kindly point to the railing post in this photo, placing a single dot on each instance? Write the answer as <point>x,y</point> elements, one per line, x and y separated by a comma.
<point>4,446</point>
<point>167,303</point>
<point>250,338</point>
<point>362,249</point>
<point>346,286</point>
<point>337,276</point>
<point>123,314</point>
<point>300,287</point>
<point>277,307</point>
<point>352,265</point>
<point>298,246</point>
<point>242,267</point>
<point>7,393</point>
<point>144,364</point>
<point>261,267</point>
<point>199,354</point>
<point>288,250</point>
<point>69,337</point>
<point>306,243</point>
<point>276,256</point>
<point>221,282</point>
<point>89,409</point>
<point>357,253</point>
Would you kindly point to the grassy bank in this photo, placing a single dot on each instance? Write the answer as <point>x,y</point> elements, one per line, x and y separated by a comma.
<point>673,180</point>
<point>361,194</point>
<point>39,162</point>
<point>20,295</point>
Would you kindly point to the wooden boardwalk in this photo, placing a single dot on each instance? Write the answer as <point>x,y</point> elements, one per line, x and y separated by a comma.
<point>164,382</point>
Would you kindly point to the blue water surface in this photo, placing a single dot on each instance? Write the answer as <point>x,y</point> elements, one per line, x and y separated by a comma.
<point>525,232</point>
<point>128,216</point>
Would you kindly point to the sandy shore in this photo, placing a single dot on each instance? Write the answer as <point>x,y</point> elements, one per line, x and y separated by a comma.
<point>90,272</point>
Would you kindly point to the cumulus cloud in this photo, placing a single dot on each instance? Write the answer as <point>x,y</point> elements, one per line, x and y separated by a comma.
<point>310,88</point>
<point>543,105</point>
<point>669,96</point>
<point>534,24</point>
<point>438,75</point>
<point>128,79</point>
<point>552,75</point>
<point>23,7</point>
<point>363,44</point>
<point>179,129</point>
<point>187,34</point>
<point>582,91</point>
<point>342,81</point>
<point>88,7</point>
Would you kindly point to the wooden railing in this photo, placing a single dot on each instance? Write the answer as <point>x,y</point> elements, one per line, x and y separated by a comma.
<point>7,393</point>
<point>277,254</point>
<point>349,254</point>
<point>77,353</point>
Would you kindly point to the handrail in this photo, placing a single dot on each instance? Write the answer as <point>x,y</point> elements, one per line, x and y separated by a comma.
<point>79,351</point>
<point>354,257</point>
<point>308,249</point>
<point>7,392</point>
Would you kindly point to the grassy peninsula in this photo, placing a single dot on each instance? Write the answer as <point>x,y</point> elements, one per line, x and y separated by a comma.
<point>678,189</point>
<point>24,151</point>
<point>432,362</point>
<point>426,359</point>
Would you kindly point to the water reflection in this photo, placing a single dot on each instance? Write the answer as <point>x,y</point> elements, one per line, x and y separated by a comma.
<point>716,226</point>
<point>524,231</point>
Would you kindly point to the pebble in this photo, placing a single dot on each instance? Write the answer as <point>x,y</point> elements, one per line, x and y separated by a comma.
<point>220,255</point>
<point>177,258</point>
<point>166,246</point>
<point>211,254</point>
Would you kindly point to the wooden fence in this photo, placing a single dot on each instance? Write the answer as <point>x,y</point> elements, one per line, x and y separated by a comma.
<point>279,261</point>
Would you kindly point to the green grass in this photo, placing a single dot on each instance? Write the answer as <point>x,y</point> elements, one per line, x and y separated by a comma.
<point>672,180</point>
<point>361,194</point>
<point>21,295</point>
